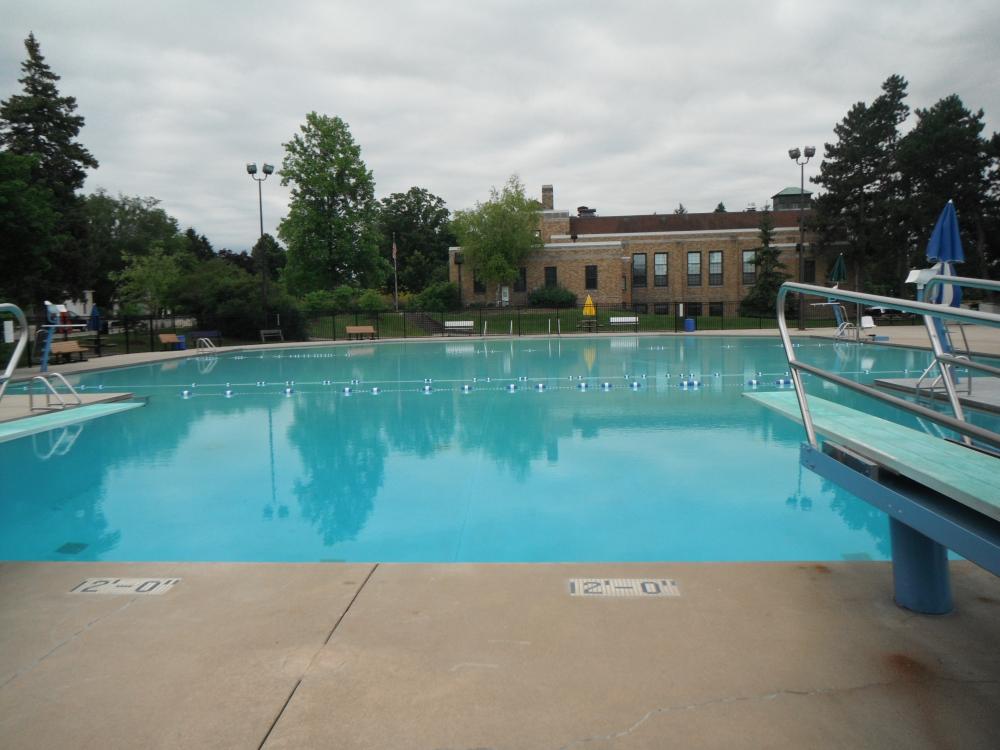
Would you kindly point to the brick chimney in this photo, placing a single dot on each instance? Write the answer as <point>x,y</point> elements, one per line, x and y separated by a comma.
<point>547,200</point>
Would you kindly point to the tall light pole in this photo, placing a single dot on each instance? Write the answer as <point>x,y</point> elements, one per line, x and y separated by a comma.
<point>268,170</point>
<point>795,155</point>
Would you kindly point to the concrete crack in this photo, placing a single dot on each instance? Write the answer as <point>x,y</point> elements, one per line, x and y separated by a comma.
<point>73,637</point>
<point>662,710</point>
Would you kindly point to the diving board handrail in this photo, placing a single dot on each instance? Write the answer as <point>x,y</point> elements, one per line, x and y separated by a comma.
<point>22,342</point>
<point>928,310</point>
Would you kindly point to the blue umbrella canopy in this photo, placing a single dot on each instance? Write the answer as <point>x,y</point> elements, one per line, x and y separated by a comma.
<point>945,248</point>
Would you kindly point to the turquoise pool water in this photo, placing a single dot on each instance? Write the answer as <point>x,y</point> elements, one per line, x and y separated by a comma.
<point>423,471</point>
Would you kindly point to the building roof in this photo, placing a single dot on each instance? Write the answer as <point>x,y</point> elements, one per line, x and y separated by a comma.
<point>581,225</point>
<point>792,191</point>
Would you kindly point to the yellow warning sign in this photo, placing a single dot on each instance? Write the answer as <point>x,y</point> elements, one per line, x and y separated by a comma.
<point>588,307</point>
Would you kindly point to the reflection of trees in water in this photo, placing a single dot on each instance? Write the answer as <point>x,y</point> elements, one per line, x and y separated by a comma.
<point>343,451</point>
<point>418,424</point>
<point>515,434</point>
<point>859,515</point>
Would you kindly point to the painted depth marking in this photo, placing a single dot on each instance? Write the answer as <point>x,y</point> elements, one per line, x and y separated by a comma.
<point>621,587</point>
<point>125,586</point>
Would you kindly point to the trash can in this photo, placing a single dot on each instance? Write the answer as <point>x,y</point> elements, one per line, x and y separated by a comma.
<point>181,342</point>
<point>689,325</point>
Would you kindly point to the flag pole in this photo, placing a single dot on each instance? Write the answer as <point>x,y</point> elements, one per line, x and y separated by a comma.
<point>395,276</point>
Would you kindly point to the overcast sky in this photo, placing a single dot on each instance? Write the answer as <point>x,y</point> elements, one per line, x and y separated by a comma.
<point>627,107</point>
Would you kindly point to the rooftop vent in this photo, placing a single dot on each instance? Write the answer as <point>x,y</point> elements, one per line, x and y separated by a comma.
<point>585,211</point>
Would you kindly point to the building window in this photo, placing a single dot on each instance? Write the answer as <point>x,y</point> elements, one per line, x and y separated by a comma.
<point>478,286</point>
<point>640,307</point>
<point>715,309</point>
<point>715,268</point>
<point>550,276</point>
<point>749,266</point>
<point>659,269</point>
<point>663,308</point>
<point>521,284</point>
<point>692,309</point>
<point>694,269</point>
<point>638,270</point>
<point>590,280</point>
<point>809,275</point>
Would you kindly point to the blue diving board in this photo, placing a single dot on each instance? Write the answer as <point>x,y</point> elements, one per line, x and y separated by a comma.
<point>939,495</point>
<point>62,418</point>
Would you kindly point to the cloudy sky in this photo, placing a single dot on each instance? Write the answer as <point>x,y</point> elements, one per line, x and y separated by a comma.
<point>631,107</point>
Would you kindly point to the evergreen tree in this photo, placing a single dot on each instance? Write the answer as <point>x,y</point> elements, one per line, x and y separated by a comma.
<point>198,245</point>
<point>680,210</point>
<point>331,229</point>
<point>760,300</point>
<point>721,208</point>
<point>268,254</point>
<point>945,157</point>
<point>42,124</point>
<point>862,211</point>
<point>27,222</point>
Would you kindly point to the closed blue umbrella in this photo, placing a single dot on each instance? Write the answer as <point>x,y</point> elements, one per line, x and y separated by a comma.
<point>838,273</point>
<point>945,248</point>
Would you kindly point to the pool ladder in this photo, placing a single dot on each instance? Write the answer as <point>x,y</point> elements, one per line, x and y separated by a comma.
<point>51,391</point>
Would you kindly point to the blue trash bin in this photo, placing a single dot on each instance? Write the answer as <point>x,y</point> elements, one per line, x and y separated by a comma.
<point>181,342</point>
<point>689,325</point>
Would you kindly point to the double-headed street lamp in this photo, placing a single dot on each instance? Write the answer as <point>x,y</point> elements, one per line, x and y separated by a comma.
<point>268,170</point>
<point>795,155</point>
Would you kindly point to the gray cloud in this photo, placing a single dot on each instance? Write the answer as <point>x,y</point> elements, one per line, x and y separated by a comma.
<point>630,107</point>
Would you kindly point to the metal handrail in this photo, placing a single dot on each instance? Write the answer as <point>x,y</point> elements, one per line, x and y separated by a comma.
<point>22,342</point>
<point>956,423</point>
<point>51,391</point>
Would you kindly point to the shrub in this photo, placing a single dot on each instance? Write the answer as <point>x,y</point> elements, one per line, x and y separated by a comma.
<point>552,296</point>
<point>371,301</point>
<point>320,302</point>
<point>440,297</point>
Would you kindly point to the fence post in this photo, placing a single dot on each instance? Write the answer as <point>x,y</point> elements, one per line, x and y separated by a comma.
<point>404,324</point>
<point>333,324</point>
<point>150,333</point>
<point>519,333</point>
<point>378,325</point>
<point>125,322</point>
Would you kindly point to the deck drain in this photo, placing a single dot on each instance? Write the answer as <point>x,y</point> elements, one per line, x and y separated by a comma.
<point>125,586</point>
<point>72,548</point>
<point>623,587</point>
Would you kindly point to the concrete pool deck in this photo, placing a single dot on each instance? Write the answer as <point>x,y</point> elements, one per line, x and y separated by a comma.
<point>788,655</point>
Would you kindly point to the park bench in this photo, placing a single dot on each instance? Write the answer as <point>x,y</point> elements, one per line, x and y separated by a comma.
<point>170,341</point>
<point>460,326</point>
<point>66,349</point>
<point>360,332</point>
<point>271,334</point>
<point>624,320</point>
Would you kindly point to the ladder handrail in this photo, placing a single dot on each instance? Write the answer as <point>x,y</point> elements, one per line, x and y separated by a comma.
<point>928,311</point>
<point>21,344</point>
<point>50,391</point>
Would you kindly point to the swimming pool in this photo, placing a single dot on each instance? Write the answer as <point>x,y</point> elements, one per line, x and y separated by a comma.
<point>469,451</point>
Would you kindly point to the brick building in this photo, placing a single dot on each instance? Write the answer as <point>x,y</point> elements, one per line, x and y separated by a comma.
<point>646,262</point>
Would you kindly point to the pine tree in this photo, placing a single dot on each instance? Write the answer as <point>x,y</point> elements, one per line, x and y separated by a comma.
<point>861,213</point>
<point>770,271</point>
<point>41,124</point>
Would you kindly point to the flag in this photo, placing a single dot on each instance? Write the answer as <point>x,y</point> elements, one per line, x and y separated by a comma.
<point>393,249</point>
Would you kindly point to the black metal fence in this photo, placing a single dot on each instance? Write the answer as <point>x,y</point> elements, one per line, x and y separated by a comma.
<point>128,334</point>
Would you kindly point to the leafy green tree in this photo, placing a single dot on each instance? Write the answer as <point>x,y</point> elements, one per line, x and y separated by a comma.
<point>241,260</point>
<point>760,300</point>
<point>331,229</point>
<point>27,221</point>
<point>268,255</point>
<point>121,228</point>
<point>42,124</point>
<point>419,221</point>
<point>945,157</point>
<point>149,280</point>
<point>496,236</point>
<point>861,211</point>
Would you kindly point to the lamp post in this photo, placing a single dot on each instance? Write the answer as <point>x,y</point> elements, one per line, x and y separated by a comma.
<point>268,170</point>
<point>795,155</point>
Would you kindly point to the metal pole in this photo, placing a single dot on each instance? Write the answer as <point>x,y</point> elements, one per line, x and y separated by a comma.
<point>802,241</point>
<point>395,276</point>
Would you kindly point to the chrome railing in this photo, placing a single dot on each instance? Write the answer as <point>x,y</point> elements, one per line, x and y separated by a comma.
<point>22,342</point>
<point>945,359</point>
